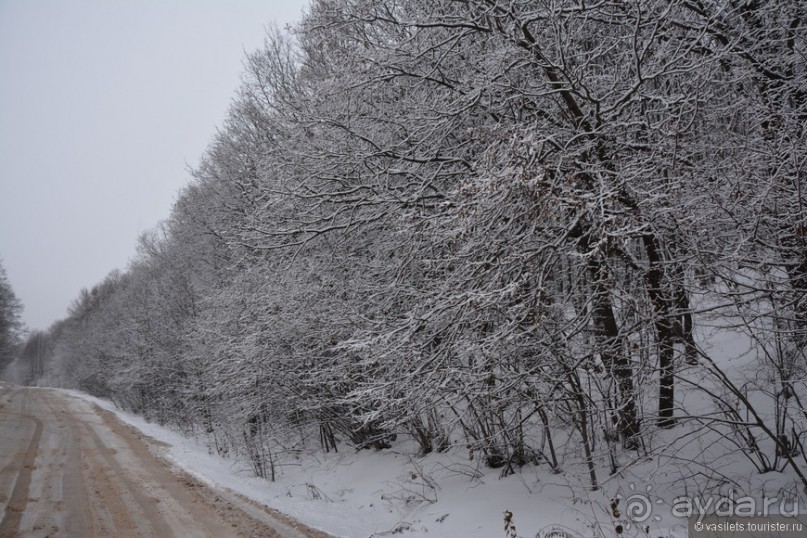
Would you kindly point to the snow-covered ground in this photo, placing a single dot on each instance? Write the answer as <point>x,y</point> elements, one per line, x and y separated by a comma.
<point>369,493</point>
<point>392,492</point>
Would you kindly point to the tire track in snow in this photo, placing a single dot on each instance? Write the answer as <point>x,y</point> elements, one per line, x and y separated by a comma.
<point>19,496</point>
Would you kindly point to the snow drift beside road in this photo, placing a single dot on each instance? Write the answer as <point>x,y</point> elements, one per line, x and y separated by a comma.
<point>369,493</point>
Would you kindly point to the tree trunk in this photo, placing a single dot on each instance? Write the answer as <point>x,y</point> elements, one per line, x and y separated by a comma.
<point>613,355</point>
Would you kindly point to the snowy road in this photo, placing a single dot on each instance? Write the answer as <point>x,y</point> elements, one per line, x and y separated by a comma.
<point>68,468</point>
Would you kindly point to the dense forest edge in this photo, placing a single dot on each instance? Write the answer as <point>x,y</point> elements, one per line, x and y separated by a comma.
<point>570,235</point>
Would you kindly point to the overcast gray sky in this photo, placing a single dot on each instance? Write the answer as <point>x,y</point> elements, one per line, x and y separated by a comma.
<point>103,104</point>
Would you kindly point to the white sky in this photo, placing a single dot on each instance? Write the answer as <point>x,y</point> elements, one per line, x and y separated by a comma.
<point>103,105</point>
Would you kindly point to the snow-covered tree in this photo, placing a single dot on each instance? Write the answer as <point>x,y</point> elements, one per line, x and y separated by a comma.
<point>10,322</point>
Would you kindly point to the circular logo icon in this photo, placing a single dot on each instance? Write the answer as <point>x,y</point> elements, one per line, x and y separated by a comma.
<point>639,505</point>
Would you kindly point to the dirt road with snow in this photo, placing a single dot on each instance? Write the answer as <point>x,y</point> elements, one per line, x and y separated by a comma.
<point>68,468</point>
